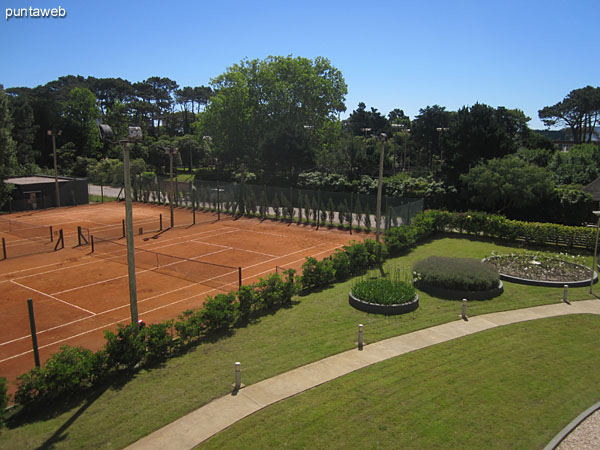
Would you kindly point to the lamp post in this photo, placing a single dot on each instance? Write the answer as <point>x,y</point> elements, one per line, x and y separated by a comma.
<point>171,152</point>
<point>382,139</point>
<point>595,259</point>
<point>53,134</point>
<point>134,135</point>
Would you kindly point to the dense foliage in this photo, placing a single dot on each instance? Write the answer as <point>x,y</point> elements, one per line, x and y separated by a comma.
<point>463,274</point>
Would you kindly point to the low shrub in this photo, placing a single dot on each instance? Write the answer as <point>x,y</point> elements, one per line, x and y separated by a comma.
<point>158,338</point>
<point>67,371</point>
<point>464,274</point>
<point>4,397</point>
<point>317,274</point>
<point>383,291</point>
<point>125,349</point>
<point>219,313</point>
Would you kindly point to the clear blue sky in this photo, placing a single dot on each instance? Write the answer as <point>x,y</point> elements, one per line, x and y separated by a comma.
<point>393,54</point>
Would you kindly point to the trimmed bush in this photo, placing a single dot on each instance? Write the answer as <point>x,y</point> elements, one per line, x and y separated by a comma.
<point>4,397</point>
<point>158,338</point>
<point>383,291</point>
<point>464,274</point>
<point>125,349</point>
<point>219,313</point>
<point>67,371</point>
<point>317,274</point>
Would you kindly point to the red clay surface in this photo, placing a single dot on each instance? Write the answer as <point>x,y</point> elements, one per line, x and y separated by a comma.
<point>77,295</point>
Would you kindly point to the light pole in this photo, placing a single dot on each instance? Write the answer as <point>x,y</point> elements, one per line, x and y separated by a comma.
<point>53,134</point>
<point>382,139</point>
<point>171,152</point>
<point>134,135</point>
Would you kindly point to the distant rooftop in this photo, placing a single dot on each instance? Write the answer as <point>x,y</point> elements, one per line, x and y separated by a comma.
<point>37,179</point>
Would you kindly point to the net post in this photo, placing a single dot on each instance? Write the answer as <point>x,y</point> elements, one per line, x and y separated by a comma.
<point>79,235</point>
<point>124,233</point>
<point>193,199</point>
<point>92,242</point>
<point>61,240</point>
<point>239,277</point>
<point>36,354</point>
<point>51,234</point>
<point>160,229</point>
<point>3,248</point>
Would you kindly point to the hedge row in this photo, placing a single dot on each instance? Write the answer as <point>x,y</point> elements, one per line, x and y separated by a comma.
<point>491,225</point>
<point>74,369</point>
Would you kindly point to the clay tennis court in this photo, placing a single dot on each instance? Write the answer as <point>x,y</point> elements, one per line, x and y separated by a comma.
<point>78,294</point>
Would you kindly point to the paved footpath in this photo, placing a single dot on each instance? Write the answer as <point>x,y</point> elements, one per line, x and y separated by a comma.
<point>189,431</point>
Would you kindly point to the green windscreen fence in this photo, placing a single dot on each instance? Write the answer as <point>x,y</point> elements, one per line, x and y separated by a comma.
<point>305,205</point>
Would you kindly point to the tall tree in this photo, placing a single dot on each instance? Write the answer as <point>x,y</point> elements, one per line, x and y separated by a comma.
<point>8,158</point>
<point>579,110</point>
<point>274,109</point>
<point>363,122</point>
<point>23,132</point>
<point>80,112</point>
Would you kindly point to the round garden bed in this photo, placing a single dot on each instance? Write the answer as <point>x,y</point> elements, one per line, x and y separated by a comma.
<point>541,270</point>
<point>457,278</point>
<point>383,296</point>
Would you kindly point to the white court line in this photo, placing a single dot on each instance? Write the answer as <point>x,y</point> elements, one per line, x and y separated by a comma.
<point>151,298</point>
<point>53,298</point>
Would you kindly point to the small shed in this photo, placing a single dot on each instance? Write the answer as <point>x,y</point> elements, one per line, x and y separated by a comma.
<point>39,192</point>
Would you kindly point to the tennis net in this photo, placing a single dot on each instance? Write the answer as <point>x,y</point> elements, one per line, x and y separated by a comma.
<point>224,278</point>
<point>34,238</point>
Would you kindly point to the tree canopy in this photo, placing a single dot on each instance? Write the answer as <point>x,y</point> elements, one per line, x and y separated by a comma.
<point>579,110</point>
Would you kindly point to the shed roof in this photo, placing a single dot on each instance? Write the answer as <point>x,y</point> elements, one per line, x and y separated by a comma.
<point>594,189</point>
<point>34,180</point>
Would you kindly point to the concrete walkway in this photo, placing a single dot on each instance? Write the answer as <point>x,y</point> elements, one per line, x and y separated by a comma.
<point>189,431</point>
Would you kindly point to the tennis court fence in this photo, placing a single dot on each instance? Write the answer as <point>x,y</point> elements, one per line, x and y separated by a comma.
<point>222,277</point>
<point>319,207</point>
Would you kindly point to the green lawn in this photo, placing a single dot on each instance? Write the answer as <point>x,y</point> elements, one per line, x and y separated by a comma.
<point>510,387</point>
<point>319,325</point>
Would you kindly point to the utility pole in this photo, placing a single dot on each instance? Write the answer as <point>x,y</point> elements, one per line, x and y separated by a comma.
<point>53,135</point>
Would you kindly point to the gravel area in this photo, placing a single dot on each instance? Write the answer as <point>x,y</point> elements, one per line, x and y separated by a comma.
<point>585,437</point>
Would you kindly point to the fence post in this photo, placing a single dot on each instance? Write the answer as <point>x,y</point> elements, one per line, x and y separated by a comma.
<point>160,229</point>
<point>218,201</point>
<point>36,354</point>
<point>79,235</point>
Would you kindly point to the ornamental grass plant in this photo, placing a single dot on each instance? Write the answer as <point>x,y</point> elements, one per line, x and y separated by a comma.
<point>464,274</point>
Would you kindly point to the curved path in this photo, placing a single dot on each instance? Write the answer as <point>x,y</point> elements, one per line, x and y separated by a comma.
<point>189,431</point>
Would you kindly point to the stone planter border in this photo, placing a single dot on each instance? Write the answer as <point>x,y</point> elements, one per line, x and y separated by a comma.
<point>388,310</point>
<point>558,284</point>
<point>453,294</point>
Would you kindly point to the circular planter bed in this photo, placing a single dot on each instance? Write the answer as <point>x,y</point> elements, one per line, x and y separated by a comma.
<point>541,270</point>
<point>384,296</point>
<point>388,310</point>
<point>454,294</point>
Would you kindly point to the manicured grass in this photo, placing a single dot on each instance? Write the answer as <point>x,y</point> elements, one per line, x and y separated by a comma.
<point>319,325</point>
<point>509,387</point>
<point>98,198</point>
